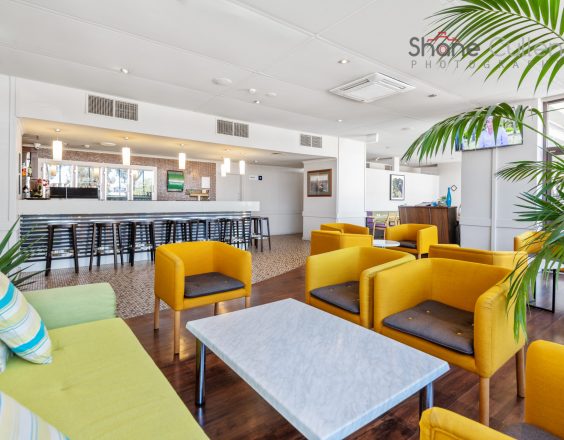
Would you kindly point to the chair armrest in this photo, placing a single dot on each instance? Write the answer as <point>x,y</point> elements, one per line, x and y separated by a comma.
<point>400,288</point>
<point>355,229</point>
<point>544,404</point>
<point>330,268</point>
<point>72,305</point>
<point>235,263</point>
<point>494,341</point>
<point>440,423</point>
<point>366,288</point>
<point>352,240</point>
<point>435,250</point>
<point>427,237</point>
<point>169,278</point>
<point>395,233</point>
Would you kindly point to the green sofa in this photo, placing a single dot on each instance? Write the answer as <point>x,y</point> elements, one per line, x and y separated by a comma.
<point>101,384</point>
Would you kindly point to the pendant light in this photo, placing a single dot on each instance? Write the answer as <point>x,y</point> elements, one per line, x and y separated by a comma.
<point>57,148</point>
<point>227,164</point>
<point>223,170</point>
<point>242,167</point>
<point>126,154</point>
<point>182,159</point>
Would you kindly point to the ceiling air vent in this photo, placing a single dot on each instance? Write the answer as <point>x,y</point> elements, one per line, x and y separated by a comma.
<point>99,105</point>
<point>372,87</point>
<point>231,128</point>
<point>307,140</point>
<point>224,127</point>
<point>126,110</point>
<point>241,130</point>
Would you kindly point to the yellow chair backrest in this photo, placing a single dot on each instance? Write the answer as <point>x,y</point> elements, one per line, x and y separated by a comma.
<point>530,242</point>
<point>506,259</point>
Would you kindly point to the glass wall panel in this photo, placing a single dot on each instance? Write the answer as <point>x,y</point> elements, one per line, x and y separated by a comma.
<point>88,177</point>
<point>116,183</point>
<point>143,184</point>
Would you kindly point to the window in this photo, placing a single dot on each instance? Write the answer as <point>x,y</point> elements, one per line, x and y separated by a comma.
<point>143,184</point>
<point>554,129</point>
<point>59,175</point>
<point>117,180</point>
<point>87,177</point>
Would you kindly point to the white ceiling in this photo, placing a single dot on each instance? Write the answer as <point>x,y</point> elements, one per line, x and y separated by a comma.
<point>77,136</point>
<point>174,48</point>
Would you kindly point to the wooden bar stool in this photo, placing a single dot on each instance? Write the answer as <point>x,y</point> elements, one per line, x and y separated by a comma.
<point>146,237</point>
<point>194,227</point>
<point>99,230</point>
<point>70,227</point>
<point>174,226</point>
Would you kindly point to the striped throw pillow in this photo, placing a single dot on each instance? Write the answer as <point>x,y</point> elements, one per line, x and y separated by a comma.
<point>21,328</point>
<point>4,355</point>
<point>18,422</point>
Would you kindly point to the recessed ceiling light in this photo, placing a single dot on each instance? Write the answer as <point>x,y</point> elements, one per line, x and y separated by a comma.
<point>271,94</point>
<point>108,144</point>
<point>252,91</point>
<point>86,146</point>
<point>405,128</point>
<point>58,130</point>
<point>432,95</point>
<point>124,70</point>
<point>339,120</point>
<point>222,81</point>
<point>344,61</point>
<point>256,101</point>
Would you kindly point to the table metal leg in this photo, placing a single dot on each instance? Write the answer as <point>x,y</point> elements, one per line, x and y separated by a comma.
<point>200,372</point>
<point>425,398</point>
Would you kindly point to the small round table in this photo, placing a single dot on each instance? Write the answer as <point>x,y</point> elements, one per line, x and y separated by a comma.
<point>385,243</point>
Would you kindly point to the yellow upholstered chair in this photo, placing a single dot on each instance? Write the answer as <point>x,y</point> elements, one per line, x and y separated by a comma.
<point>340,282</point>
<point>199,273</point>
<point>544,404</point>
<point>331,240</point>
<point>528,242</point>
<point>345,228</point>
<point>414,238</point>
<point>506,259</point>
<point>454,310</point>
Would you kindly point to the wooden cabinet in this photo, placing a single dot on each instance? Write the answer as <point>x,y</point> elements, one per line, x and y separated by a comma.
<point>442,217</point>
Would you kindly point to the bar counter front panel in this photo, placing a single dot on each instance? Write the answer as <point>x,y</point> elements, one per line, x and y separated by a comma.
<point>36,214</point>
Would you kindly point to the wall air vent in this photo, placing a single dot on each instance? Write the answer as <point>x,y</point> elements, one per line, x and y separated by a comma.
<point>99,105</point>
<point>307,140</point>
<point>231,128</point>
<point>126,110</point>
<point>372,87</point>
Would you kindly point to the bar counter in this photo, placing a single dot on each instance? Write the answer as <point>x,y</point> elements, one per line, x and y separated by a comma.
<point>37,214</point>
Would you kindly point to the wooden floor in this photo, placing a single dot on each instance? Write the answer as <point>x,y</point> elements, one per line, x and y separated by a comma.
<point>234,411</point>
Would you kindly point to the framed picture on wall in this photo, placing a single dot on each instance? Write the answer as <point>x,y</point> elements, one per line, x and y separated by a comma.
<point>397,187</point>
<point>174,181</point>
<point>319,183</point>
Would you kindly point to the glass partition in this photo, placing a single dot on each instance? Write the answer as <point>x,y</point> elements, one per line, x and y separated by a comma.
<point>60,175</point>
<point>87,177</point>
<point>117,180</point>
<point>143,184</point>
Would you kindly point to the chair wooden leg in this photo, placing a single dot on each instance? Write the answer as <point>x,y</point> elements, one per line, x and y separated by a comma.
<point>520,368</point>
<point>247,302</point>
<point>156,314</point>
<point>176,331</point>
<point>485,401</point>
<point>215,308</point>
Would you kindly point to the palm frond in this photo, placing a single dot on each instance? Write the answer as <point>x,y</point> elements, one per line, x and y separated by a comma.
<point>503,24</point>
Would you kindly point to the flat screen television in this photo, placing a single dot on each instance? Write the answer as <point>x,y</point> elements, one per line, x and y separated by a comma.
<point>508,134</point>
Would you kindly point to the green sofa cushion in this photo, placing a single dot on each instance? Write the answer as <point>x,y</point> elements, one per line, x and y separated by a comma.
<point>101,385</point>
<point>65,306</point>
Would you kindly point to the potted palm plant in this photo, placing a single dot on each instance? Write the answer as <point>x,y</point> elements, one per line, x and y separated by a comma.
<point>502,23</point>
<point>13,257</point>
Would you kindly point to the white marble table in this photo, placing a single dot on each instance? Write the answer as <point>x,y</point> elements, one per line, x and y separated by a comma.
<point>385,243</point>
<point>326,376</point>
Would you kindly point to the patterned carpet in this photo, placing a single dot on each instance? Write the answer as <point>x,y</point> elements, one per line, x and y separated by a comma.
<point>134,285</point>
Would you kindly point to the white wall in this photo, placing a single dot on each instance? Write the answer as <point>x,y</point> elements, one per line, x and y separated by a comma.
<point>318,210</point>
<point>451,174</point>
<point>350,182</point>
<point>418,188</point>
<point>488,212</point>
<point>64,104</point>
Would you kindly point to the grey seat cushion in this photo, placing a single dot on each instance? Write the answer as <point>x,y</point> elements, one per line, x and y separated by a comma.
<point>208,284</point>
<point>408,244</point>
<point>438,323</point>
<point>525,431</point>
<point>344,295</point>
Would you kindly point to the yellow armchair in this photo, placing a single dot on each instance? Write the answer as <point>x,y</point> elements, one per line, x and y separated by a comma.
<point>544,404</point>
<point>506,259</point>
<point>414,238</point>
<point>465,286</point>
<point>530,242</point>
<point>345,228</point>
<point>175,262</point>
<point>346,265</point>
<point>329,240</point>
